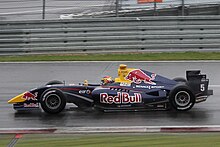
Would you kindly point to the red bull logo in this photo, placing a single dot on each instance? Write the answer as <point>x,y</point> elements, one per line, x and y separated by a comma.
<point>30,96</point>
<point>137,76</point>
<point>120,98</point>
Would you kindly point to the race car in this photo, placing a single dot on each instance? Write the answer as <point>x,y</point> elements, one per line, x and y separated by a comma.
<point>133,90</point>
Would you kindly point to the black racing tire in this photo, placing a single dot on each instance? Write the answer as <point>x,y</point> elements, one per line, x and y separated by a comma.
<point>53,101</point>
<point>181,98</point>
<point>54,82</point>
<point>179,79</point>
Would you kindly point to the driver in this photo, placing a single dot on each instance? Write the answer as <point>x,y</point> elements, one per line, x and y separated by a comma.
<point>106,80</point>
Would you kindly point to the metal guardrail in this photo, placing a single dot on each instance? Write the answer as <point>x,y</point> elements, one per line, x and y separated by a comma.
<point>111,35</point>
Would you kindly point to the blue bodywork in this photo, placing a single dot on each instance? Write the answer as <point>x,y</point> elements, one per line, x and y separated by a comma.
<point>119,96</point>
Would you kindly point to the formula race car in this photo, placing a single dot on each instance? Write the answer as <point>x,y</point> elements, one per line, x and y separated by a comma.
<point>133,90</point>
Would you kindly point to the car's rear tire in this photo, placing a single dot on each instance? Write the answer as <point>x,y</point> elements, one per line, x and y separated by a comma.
<point>182,98</point>
<point>179,79</point>
<point>53,101</point>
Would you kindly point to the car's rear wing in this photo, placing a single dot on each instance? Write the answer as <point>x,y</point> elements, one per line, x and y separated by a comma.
<point>195,75</point>
<point>198,83</point>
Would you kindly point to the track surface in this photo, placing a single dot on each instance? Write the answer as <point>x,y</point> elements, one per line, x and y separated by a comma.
<point>16,78</point>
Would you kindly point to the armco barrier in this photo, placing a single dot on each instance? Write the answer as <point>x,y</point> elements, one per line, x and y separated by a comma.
<point>171,33</point>
<point>114,129</point>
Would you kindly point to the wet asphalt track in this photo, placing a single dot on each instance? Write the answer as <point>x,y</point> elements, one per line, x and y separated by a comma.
<point>16,78</point>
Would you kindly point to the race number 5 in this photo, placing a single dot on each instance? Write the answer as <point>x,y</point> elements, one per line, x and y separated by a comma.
<point>202,87</point>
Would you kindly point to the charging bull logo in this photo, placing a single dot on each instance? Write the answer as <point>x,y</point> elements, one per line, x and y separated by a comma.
<point>30,96</point>
<point>120,98</point>
<point>137,76</point>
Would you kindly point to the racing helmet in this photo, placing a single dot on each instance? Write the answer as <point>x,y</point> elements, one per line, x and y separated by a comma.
<point>106,80</point>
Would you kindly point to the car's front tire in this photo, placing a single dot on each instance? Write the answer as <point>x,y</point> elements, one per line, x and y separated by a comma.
<point>53,101</point>
<point>54,82</point>
<point>182,98</point>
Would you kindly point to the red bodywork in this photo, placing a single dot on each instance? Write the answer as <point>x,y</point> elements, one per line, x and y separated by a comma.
<point>137,76</point>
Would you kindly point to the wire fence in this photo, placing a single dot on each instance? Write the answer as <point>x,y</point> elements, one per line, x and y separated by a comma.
<point>50,9</point>
<point>56,9</point>
<point>128,4</point>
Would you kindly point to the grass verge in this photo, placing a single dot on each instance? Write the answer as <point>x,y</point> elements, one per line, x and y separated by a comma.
<point>121,140</point>
<point>116,57</point>
<point>5,139</point>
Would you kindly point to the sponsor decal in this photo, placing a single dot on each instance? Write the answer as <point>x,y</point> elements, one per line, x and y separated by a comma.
<point>84,92</point>
<point>31,105</point>
<point>120,98</point>
<point>149,87</point>
<point>123,106</point>
<point>137,76</point>
<point>30,96</point>
<point>125,84</point>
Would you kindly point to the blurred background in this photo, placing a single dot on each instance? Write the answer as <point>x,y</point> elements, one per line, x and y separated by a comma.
<point>67,9</point>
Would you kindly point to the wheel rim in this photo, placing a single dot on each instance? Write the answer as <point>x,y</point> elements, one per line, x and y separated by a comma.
<point>53,101</point>
<point>182,98</point>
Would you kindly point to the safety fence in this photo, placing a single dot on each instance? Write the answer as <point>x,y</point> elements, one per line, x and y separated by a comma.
<point>56,9</point>
<point>170,33</point>
<point>178,10</point>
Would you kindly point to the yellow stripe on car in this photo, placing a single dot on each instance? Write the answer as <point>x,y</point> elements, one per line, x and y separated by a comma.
<point>17,99</point>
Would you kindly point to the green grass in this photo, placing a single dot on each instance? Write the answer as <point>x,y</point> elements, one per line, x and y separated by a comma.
<point>116,140</point>
<point>121,140</point>
<point>5,139</point>
<point>116,57</point>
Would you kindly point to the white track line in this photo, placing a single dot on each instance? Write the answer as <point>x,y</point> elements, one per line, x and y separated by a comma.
<point>114,129</point>
<point>214,86</point>
<point>49,62</point>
